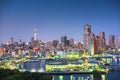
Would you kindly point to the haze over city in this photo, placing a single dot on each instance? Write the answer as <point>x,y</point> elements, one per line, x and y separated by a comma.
<point>55,18</point>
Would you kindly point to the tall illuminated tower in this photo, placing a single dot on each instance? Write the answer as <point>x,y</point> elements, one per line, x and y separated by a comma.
<point>35,33</point>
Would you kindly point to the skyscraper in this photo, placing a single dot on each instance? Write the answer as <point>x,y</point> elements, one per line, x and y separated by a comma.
<point>92,46</point>
<point>63,41</point>
<point>34,41</point>
<point>71,42</point>
<point>118,43</point>
<point>68,43</point>
<point>102,35</point>
<point>55,43</point>
<point>12,40</point>
<point>112,41</point>
<point>87,31</point>
<point>97,42</point>
<point>101,40</point>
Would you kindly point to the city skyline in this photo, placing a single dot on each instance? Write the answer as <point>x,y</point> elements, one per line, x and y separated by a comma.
<point>54,19</point>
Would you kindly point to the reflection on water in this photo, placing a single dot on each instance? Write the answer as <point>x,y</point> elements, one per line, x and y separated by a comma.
<point>73,77</point>
<point>110,76</point>
<point>113,76</point>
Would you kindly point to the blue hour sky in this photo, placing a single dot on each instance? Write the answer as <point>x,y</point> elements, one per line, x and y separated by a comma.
<point>55,18</point>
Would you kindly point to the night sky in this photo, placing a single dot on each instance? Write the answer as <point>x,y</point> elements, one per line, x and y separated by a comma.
<point>55,18</point>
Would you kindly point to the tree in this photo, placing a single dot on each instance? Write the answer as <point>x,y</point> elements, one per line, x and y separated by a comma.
<point>97,75</point>
<point>7,74</point>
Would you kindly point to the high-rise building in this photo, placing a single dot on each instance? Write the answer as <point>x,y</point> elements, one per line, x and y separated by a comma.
<point>112,41</point>
<point>87,32</point>
<point>71,42</point>
<point>12,40</point>
<point>97,42</point>
<point>68,43</point>
<point>101,40</point>
<point>102,35</point>
<point>118,43</point>
<point>34,41</point>
<point>92,46</point>
<point>55,43</point>
<point>63,41</point>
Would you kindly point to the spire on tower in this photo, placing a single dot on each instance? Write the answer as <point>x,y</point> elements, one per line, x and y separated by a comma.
<point>35,33</point>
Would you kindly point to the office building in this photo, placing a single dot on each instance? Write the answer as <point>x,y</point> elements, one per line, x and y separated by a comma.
<point>63,41</point>
<point>55,43</point>
<point>71,42</point>
<point>87,32</point>
<point>112,41</point>
<point>92,46</point>
<point>101,41</point>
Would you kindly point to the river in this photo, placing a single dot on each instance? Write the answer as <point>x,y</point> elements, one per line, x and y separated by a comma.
<point>109,76</point>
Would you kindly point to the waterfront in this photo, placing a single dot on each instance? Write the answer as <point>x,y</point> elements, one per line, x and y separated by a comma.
<point>110,76</point>
<point>113,76</point>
